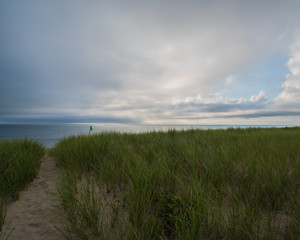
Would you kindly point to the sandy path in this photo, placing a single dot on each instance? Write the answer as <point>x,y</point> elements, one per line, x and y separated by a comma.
<point>31,214</point>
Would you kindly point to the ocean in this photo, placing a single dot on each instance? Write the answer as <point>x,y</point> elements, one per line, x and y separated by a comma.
<point>50,134</point>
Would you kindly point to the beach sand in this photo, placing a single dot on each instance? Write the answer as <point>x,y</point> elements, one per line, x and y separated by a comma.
<point>31,215</point>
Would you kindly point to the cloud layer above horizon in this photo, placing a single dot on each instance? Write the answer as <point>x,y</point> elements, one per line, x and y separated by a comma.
<point>173,62</point>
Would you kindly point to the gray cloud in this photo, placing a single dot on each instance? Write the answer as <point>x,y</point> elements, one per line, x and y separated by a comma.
<point>269,114</point>
<point>131,59</point>
<point>258,114</point>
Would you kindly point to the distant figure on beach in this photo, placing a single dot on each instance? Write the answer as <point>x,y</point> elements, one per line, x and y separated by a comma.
<point>91,129</point>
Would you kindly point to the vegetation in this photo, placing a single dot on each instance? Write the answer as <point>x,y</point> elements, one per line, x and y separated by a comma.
<point>195,184</point>
<point>19,164</point>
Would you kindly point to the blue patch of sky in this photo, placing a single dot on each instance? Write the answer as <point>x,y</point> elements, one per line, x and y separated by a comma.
<point>267,75</point>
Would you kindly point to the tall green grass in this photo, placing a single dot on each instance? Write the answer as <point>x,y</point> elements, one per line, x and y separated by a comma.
<point>195,184</point>
<point>19,164</point>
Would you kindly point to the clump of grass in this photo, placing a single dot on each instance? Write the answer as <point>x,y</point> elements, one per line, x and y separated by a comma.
<point>195,184</point>
<point>19,164</point>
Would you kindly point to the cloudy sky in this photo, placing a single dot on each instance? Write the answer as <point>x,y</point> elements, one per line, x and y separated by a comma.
<point>151,62</point>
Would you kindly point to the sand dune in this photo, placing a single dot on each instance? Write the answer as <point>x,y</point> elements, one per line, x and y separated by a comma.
<point>32,214</point>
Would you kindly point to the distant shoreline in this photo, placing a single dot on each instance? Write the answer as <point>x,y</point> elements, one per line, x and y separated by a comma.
<point>50,134</point>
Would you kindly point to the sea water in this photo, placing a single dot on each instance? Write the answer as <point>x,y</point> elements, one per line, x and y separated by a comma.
<point>50,134</point>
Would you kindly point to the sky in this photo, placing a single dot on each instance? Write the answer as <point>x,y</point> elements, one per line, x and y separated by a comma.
<point>150,62</point>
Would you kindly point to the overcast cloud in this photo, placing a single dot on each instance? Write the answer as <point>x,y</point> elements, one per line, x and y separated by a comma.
<point>149,61</point>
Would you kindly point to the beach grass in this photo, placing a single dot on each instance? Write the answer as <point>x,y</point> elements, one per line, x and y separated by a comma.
<point>194,184</point>
<point>19,164</point>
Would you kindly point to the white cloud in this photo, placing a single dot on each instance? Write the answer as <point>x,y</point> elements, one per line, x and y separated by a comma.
<point>291,86</point>
<point>261,97</point>
<point>229,80</point>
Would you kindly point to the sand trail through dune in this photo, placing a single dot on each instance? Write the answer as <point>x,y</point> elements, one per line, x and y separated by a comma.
<point>32,215</point>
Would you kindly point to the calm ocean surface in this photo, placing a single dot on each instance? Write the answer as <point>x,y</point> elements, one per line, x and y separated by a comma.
<point>49,135</point>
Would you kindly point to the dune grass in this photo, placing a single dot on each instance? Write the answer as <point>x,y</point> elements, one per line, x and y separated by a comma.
<point>195,184</point>
<point>19,164</point>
